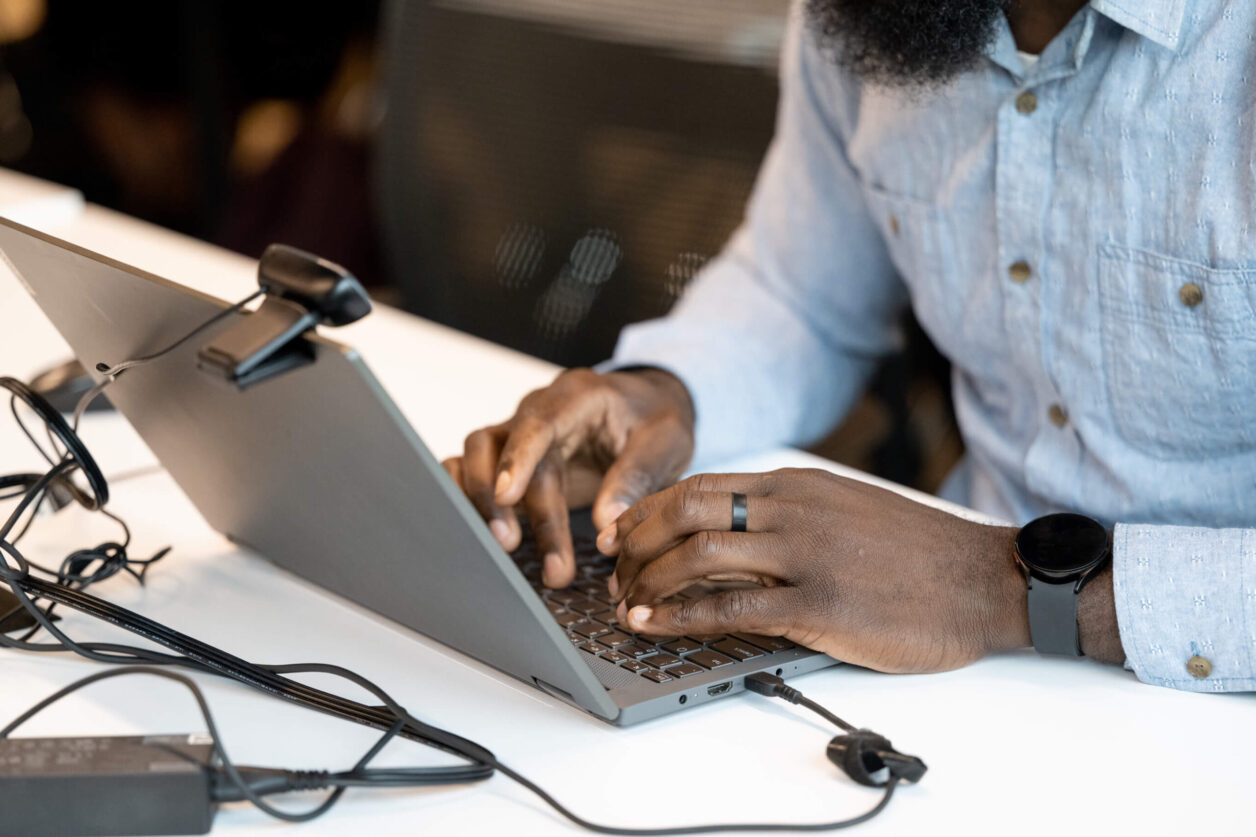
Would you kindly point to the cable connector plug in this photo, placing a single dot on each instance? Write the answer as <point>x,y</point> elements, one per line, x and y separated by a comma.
<point>863,755</point>
<point>773,686</point>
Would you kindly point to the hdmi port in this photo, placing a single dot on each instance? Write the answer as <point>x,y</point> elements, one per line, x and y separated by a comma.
<point>719,688</point>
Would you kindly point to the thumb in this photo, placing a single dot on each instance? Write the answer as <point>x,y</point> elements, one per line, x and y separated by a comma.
<point>654,456</point>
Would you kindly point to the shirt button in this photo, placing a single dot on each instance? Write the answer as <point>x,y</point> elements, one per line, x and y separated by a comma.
<point>1191,294</point>
<point>1026,103</point>
<point>1199,667</point>
<point>1058,415</point>
<point>1020,271</point>
<point>894,224</point>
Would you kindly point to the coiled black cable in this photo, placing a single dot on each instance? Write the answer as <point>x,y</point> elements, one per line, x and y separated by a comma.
<point>71,456</point>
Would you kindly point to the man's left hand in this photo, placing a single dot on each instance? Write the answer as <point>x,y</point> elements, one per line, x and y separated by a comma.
<point>860,573</point>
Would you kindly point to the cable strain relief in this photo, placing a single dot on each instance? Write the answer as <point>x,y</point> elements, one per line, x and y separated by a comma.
<point>307,780</point>
<point>789,693</point>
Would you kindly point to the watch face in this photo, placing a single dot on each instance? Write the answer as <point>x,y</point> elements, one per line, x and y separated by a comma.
<point>1061,546</point>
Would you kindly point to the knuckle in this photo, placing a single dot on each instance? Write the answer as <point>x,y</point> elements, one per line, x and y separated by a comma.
<point>699,483</point>
<point>705,546</point>
<point>685,613</point>
<point>630,547</point>
<point>572,382</point>
<point>731,608</point>
<point>638,514</point>
<point>644,586</point>
<point>689,506</point>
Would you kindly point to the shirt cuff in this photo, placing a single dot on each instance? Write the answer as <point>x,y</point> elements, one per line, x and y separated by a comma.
<point>1186,605</point>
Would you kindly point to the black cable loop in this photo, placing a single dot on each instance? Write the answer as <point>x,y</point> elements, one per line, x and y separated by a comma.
<point>76,572</point>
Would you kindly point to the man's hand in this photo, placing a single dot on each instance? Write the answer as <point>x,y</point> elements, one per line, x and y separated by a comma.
<point>587,438</point>
<point>855,571</point>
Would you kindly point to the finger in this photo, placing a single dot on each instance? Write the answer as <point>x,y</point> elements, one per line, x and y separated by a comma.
<point>723,556</point>
<point>453,466</point>
<point>759,611</point>
<point>687,514</point>
<point>530,441</point>
<point>653,457</point>
<point>546,506</point>
<point>479,468</point>
<point>676,497</point>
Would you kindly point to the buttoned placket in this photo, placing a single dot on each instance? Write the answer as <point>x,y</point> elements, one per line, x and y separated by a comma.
<point>1023,185</point>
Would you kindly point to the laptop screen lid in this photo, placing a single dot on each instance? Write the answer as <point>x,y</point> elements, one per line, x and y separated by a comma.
<point>316,470</point>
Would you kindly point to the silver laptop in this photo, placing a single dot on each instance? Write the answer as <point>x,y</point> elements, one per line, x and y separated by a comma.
<point>318,471</point>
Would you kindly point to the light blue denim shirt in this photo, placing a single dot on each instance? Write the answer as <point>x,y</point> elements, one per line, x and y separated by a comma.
<point>1080,241</point>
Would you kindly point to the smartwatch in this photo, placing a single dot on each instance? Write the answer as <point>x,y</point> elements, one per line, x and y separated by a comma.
<point>1058,554</point>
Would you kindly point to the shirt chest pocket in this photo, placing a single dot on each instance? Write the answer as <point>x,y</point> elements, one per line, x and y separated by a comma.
<point>1179,344</point>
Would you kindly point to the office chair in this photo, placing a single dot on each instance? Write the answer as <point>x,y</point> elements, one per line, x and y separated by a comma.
<point>551,170</point>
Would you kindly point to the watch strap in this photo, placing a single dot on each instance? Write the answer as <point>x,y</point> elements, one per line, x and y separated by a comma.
<point>1053,617</point>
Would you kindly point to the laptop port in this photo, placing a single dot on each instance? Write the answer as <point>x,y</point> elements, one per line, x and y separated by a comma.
<point>719,688</point>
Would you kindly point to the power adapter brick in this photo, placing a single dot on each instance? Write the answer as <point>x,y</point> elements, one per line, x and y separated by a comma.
<point>133,785</point>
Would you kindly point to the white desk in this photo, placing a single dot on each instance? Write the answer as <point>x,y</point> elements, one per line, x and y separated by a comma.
<point>1115,757</point>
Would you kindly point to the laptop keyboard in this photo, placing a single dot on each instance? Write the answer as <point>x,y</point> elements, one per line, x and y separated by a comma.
<point>585,611</point>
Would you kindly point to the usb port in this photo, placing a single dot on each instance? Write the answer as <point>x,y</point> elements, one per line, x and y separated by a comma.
<point>719,688</point>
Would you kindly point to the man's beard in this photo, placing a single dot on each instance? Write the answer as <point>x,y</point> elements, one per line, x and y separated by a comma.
<point>906,43</point>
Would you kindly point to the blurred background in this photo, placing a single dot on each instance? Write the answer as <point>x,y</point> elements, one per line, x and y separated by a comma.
<point>536,172</point>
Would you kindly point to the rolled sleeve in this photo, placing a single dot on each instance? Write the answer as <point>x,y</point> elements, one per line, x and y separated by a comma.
<point>1184,592</point>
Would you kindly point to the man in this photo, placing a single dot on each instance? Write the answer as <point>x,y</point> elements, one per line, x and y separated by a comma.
<point>1065,194</point>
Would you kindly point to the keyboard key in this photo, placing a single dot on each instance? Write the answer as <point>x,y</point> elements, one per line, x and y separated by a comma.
<point>584,605</point>
<point>591,648</point>
<point>633,665</point>
<point>554,607</point>
<point>614,639</point>
<point>614,657</point>
<point>568,619</point>
<point>655,639</point>
<point>590,629</point>
<point>589,587</point>
<point>564,596</point>
<point>662,660</point>
<point>685,670</point>
<point>708,659</point>
<point>767,643</point>
<point>705,638</point>
<point>636,649</point>
<point>656,676</point>
<point>737,649</point>
<point>575,639</point>
<point>682,646</point>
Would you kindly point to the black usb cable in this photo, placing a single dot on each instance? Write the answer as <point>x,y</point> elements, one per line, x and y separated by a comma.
<point>866,757</point>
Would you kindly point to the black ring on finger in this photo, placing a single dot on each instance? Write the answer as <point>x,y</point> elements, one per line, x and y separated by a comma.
<point>740,513</point>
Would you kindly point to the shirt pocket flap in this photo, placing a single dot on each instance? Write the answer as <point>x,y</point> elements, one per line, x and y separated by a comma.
<point>1179,343</point>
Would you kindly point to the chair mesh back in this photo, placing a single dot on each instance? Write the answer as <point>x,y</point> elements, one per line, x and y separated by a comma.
<point>550,170</point>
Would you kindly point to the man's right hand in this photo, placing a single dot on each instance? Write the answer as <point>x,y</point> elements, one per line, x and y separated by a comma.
<point>607,439</point>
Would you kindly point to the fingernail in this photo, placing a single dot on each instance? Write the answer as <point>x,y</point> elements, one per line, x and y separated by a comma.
<point>616,508</point>
<point>640,615</point>
<point>606,538</point>
<point>553,568</point>
<point>503,483</point>
<point>499,529</point>
<point>612,585</point>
